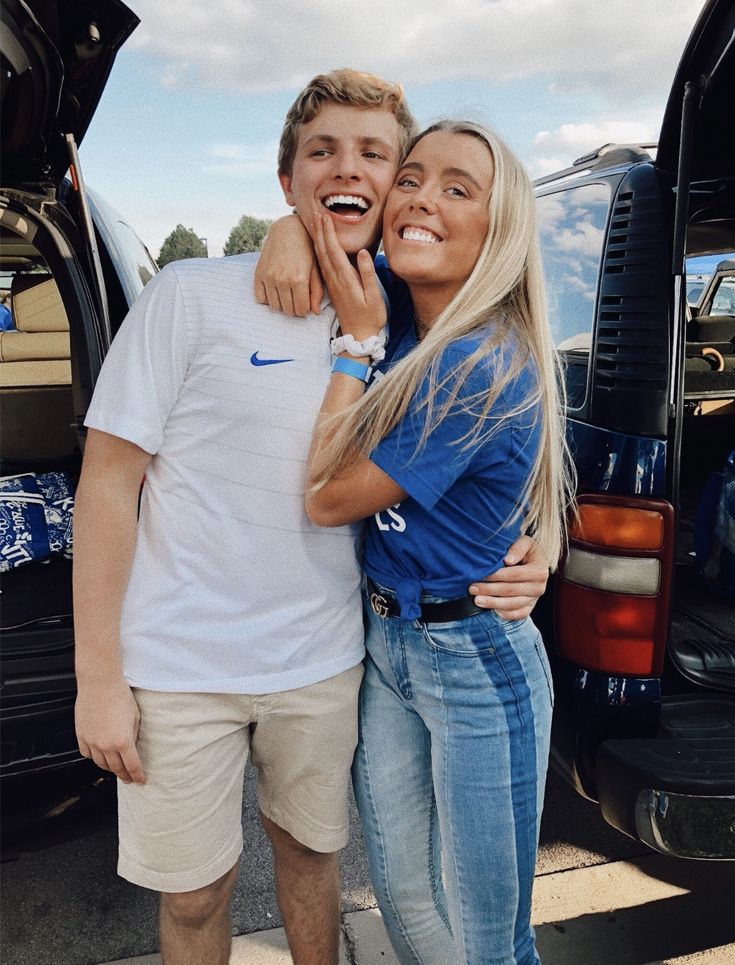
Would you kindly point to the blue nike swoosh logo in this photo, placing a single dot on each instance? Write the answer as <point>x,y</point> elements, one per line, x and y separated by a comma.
<point>256,361</point>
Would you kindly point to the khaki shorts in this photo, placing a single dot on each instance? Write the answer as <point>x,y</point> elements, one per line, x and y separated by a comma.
<point>182,829</point>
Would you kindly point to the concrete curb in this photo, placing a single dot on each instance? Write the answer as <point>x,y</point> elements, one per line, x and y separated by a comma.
<point>612,914</point>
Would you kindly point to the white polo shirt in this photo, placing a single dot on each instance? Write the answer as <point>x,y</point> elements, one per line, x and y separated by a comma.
<point>232,589</point>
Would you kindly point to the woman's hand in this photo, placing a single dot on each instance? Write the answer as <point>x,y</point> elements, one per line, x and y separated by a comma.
<point>287,275</point>
<point>355,293</point>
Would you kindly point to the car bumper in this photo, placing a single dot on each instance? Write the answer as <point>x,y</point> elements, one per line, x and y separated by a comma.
<point>675,792</point>
<point>685,825</point>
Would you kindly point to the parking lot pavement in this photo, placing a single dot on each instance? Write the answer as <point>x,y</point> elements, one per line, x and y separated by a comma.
<point>641,912</point>
<point>600,899</point>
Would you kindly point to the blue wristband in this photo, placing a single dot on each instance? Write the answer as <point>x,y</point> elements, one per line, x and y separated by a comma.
<point>358,370</point>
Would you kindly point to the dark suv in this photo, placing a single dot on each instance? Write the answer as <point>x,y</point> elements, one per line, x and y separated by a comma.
<point>72,268</point>
<point>643,637</point>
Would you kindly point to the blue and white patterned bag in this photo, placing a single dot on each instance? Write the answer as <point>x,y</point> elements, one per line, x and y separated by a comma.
<point>36,514</point>
<point>59,508</point>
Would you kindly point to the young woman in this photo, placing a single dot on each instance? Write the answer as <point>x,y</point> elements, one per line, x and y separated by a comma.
<point>453,451</point>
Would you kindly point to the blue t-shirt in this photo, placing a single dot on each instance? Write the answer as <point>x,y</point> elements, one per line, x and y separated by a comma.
<point>453,526</point>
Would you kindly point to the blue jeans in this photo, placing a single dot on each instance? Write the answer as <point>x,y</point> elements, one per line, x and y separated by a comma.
<point>449,778</point>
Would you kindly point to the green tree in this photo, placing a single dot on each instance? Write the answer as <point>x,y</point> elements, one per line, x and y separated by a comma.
<point>247,235</point>
<point>181,243</point>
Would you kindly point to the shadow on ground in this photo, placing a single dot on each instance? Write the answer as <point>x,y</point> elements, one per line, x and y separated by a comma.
<point>63,903</point>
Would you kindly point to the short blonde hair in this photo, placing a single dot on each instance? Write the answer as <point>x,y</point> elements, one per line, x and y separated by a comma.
<point>344,86</point>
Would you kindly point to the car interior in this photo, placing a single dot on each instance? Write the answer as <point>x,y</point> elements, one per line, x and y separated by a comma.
<point>703,613</point>
<point>38,441</point>
<point>710,348</point>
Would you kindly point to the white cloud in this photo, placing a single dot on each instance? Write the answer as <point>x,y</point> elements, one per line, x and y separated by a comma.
<point>545,165</point>
<point>551,213</point>
<point>582,239</point>
<point>579,138</point>
<point>242,160</point>
<point>574,281</point>
<point>573,140</point>
<point>623,48</point>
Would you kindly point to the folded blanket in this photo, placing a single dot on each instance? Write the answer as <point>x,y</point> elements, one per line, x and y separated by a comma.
<point>36,513</point>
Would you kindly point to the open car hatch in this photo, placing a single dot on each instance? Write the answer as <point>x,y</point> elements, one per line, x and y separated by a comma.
<point>56,58</point>
<point>707,67</point>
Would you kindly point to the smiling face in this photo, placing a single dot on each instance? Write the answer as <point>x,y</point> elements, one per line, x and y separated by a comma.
<point>437,217</point>
<point>345,164</point>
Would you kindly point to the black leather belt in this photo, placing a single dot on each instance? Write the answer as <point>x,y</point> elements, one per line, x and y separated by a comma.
<point>445,612</point>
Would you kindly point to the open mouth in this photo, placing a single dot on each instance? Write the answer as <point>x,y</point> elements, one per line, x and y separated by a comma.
<point>348,205</point>
<point>423,235</point>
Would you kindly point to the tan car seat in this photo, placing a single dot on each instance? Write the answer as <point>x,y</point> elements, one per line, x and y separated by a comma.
<point>35,375</point>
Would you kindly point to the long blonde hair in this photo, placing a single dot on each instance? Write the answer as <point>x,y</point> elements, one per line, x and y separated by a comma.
<point>505,288</point>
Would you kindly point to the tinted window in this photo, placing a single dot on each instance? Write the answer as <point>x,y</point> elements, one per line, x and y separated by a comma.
<point>694,291</point>
<point>723,302</point>
<point>572,231</point>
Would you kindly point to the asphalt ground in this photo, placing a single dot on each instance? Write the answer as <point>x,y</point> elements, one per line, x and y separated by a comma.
<point>63,904</point>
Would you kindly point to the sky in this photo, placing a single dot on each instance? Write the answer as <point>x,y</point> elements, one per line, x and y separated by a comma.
<point>187,129</point>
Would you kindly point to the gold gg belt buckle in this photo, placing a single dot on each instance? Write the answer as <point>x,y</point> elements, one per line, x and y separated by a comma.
<point>379,605</point>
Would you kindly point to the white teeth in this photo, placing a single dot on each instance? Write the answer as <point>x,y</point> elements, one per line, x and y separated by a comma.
<point>346,199</point>
<point>418,234</point>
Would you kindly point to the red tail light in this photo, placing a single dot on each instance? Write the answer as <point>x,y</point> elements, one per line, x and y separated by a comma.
<point>612,591</point>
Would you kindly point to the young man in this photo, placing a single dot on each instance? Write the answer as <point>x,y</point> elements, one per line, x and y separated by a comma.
<point>222,622</point>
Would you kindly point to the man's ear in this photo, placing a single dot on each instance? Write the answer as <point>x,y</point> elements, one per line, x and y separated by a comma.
<point>285,180</point>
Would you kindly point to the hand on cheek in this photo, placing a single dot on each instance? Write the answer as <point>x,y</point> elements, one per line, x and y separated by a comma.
<point>355,291</point>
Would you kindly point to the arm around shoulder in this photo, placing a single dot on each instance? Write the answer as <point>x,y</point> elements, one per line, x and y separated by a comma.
<point>287,275</point>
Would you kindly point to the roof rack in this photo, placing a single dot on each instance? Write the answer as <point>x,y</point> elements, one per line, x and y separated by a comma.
<point>603,157</point>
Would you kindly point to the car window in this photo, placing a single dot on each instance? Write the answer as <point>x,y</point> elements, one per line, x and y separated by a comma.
<point>132,261</point>
<point>572,232</point>
<point>694,290</point>
<point>723,302</point>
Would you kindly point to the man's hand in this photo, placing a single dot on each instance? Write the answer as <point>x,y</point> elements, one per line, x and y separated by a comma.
<point>107,719</point>
<point>287,275</point>
<point>105,533</point>
<point>514,590</point>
